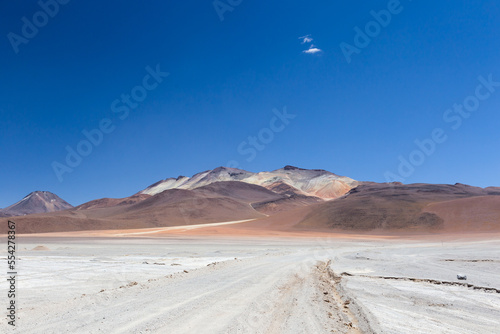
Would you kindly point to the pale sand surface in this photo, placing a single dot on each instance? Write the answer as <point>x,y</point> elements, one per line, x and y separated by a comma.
<point>346,284</point>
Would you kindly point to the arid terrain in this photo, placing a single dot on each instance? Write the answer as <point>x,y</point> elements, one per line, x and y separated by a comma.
<point>287,251</point>
<point>289,199</point>
<point>125,282</point>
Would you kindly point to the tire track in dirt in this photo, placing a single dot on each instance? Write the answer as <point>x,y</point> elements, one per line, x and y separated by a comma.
<point>432,281</point>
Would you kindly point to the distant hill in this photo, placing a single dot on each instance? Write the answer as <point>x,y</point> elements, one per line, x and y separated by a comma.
<point>36,202</point>
<point>217,202</point>
<point>397,206</point>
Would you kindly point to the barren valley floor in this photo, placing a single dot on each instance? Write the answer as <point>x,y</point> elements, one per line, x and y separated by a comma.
<point>213,284</point>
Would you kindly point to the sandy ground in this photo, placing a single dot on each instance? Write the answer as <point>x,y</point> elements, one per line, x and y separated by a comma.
<point>208,284</point>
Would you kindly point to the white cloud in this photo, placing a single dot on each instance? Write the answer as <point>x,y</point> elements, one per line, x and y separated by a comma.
<point>306,39</point>
<point>312,50</point>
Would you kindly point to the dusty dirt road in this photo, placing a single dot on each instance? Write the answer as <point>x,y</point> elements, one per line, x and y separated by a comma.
<point>278,293</point>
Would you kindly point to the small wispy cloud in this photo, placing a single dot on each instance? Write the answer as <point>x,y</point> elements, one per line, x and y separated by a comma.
<point>312,50</point>
<point>306,39</point>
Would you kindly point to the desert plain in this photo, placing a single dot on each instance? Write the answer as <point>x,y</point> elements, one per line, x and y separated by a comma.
<point>212,280</point>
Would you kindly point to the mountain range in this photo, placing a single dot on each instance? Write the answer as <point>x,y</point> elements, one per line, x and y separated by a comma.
<point>289,198</point>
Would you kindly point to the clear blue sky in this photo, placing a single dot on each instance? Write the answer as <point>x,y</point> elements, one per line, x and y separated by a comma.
<point>225,79</point>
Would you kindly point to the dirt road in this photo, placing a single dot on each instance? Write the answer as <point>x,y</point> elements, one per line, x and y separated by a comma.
<point>278,293</point>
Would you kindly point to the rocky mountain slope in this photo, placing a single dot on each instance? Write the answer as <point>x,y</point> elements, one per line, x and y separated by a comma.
<point>309,182</point>
<point>410,207</point>
<point>36,202</point>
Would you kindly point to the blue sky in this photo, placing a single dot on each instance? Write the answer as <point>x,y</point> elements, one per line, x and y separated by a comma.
<point>225,79</point>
